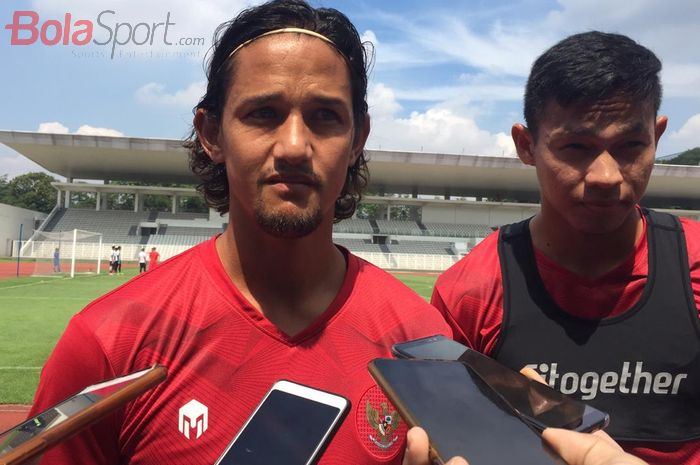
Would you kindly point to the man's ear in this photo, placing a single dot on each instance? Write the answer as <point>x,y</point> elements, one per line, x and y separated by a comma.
<point>524,144</point>
<point>359,140</point>
<point>660,127</point>
<point>208,134</point>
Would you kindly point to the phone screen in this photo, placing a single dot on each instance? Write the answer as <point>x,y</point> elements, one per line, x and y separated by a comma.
<point>460,413</point>
<point>537,403</point>
<point>286,428</point>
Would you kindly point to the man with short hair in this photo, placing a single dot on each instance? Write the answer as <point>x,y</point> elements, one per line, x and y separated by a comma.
<point>278,143</point>
<point>596,293</point>
<point>153,257</point>
<point>142,260</point>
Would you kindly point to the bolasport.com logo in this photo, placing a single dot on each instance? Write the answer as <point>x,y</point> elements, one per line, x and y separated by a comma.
<point>106,30</point>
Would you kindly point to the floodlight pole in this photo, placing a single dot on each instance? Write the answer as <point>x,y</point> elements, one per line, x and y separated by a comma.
<point>72,260</point>
<point>19,249</point>
<point>99,255</point>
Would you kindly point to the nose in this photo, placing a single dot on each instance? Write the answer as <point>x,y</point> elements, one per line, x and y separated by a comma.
<point>604,172</point>
<point>293,143</point>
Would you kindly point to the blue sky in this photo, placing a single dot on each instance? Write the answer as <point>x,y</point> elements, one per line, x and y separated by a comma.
<point>448,75</point>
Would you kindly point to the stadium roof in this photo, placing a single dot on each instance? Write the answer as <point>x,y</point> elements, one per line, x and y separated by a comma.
<point>165,160</point>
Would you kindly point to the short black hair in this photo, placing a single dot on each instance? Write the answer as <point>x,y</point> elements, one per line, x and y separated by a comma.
<point>249,24</point>
<point>587,67</point>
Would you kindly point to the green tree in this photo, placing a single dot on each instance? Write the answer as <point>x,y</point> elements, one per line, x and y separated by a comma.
<point>689,157</point>
<point>32,191</point>
<point>4,189</point>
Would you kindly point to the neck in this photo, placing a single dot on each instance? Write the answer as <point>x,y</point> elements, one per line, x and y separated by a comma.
<point>290,281</point>
<point>588,255</point>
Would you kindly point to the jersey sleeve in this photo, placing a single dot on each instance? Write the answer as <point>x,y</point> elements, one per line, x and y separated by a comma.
<point>692,240</point>
<point>77,362</point>
<point>470,296</point>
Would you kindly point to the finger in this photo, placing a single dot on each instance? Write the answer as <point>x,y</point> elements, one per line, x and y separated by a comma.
<point>532,374</point>
<point>417,447</point>
<point>587,449</point>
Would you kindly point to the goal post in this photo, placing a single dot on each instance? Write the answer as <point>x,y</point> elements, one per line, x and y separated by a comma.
<point>58,253</point>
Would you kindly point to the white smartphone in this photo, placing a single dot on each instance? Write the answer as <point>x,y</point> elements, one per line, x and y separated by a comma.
<point>292,425</point>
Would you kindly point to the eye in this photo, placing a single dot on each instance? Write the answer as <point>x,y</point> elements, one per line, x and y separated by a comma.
<point>326,114</point>
<point>635,144</point>
<point>575,146</point>
<point>263,113</point>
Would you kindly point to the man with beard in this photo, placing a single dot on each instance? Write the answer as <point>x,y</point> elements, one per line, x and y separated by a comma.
<point>278,143</point>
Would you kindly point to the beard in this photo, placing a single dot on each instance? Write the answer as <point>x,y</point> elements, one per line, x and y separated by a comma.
<point>285,225</point>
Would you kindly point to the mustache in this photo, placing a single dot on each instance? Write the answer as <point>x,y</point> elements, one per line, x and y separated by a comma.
<point>283,172</point>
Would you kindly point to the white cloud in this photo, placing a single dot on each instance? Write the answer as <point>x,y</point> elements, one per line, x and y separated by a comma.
<point>155,93</point>
<point>53,127</point>
<point>438,129</point>
<point>688,136</point>
<point>86,130</point>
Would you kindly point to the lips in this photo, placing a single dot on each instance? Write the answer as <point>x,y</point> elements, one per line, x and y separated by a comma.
<point>292,179</point>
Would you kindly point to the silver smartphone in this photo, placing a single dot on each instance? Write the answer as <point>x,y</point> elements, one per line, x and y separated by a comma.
<point>537,404</point>
<point>292,425</point>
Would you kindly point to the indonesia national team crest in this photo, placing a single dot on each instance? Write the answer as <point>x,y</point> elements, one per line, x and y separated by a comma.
<point>381,429</point>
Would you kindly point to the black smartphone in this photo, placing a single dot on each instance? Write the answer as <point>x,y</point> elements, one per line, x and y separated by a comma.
<point>538,404</point>
<point>33,436</point>
<point>460,412</point>
<point>291,425</point>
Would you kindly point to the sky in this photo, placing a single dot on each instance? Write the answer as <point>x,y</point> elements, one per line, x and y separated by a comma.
<point>448,76</point>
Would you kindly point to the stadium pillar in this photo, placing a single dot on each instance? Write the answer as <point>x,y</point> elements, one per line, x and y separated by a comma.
<point>137,202</point>
<point>174,208</point>
<point>98,200</point>
<point>388,211</point>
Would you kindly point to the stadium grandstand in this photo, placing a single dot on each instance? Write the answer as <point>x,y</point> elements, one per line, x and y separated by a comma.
<point>446,203</point>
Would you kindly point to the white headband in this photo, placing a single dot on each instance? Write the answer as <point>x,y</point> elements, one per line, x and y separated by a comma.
<point>280,31</point>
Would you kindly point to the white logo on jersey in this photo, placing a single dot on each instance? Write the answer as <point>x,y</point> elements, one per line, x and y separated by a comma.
<point>193,414</point>
<point>627,381</point>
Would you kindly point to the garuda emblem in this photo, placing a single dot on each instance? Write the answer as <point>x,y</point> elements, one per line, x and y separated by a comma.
<point>385,423</point>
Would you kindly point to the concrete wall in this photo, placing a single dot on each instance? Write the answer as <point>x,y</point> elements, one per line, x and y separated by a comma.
<point>10,220</point>
<point>488,213</point>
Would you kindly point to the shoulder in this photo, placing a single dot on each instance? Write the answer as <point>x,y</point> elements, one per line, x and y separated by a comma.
<point>479,265</point>
<point>167,279</point>
<point>377,294</point>
<point>691,230</point>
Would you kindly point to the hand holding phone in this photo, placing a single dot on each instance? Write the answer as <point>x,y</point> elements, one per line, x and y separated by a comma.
<point>34,436</point>
<point>461,414</point>
<point>291,425</point>
<point>537,404</point>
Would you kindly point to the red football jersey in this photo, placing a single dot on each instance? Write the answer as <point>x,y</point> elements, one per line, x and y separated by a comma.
<point>470,296</point>
<point>222,356</point>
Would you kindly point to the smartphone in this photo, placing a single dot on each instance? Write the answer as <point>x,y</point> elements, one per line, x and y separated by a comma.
<point>292,425</point>
<point>34,436</point>
<point>460,412</point>
<point>536,403</point>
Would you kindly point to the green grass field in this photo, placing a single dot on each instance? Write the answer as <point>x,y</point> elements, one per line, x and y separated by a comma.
<point>35,312</point>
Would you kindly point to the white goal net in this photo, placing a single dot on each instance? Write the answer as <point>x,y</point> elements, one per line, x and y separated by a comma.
<point>59,253</point>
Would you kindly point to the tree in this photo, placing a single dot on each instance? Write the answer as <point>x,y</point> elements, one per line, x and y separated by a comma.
<point>689,157</point>
<point>32,191</point>
<point>4,189</point>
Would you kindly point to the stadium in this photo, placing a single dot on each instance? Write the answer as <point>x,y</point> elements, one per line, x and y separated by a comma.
<point>429,209</point>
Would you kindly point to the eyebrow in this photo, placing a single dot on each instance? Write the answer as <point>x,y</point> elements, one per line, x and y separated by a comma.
<point>631,128</point>
<point>263,99</point>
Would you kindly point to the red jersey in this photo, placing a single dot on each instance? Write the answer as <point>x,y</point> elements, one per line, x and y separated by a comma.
<point>153,257</point>
<point>222,356</point>
<point>470,296</point>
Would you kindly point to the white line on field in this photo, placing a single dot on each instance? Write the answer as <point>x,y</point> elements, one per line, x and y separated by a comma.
<point>20,368</point>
